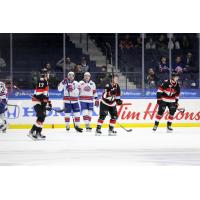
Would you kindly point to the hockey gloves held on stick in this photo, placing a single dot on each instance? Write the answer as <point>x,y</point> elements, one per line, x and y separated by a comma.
<point>119,102</point>
<point>113,91</point>
<point>49,106</point>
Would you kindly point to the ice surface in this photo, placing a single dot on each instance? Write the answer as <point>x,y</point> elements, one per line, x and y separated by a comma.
<point>140,147</point>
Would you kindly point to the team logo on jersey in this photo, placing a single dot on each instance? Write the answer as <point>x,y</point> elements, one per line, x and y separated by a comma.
<point>87,88</point>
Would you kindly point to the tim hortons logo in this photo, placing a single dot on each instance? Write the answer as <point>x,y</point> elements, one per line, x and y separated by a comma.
<point>126,112</point>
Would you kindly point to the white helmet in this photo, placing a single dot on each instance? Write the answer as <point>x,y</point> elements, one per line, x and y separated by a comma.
<point>2,87</point>
<point>87,74</point>
<point>70,74</point>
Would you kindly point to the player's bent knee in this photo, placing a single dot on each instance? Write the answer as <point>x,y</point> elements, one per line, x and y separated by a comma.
<point>102,117</point>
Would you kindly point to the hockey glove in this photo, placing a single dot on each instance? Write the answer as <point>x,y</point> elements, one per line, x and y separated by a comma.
<point>49,106</point>
<point>64,81</point>
<point>113,91</point>
<point>159,101</point>
<point>96,103</point>
<point>119,102</point>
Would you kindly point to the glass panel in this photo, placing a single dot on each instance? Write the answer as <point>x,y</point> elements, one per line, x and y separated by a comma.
<point>156,59</point>
<point>185,53</point>
<point>31,52</point>
<point>102,52</point>
<point>5,75</point>
<point>130,59</point>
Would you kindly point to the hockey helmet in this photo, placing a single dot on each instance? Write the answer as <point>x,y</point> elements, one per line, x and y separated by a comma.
<point>71,74</point>
<point>87,74</point>
<point>43,72</point>
<point>174,74</point>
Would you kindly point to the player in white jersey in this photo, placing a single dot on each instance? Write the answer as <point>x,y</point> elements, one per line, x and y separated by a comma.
<point>3,107</point>
<point>71,95</point>
<point>87,95</point>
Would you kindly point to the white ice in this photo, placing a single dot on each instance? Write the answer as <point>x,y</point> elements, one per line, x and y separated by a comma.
<point>140,147</point>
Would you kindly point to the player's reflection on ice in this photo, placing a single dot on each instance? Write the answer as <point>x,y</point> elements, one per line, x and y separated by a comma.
<point>140,147</point>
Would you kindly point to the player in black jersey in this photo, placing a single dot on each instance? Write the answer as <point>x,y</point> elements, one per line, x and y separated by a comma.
<point>110,99</point>
<point>167,96</point>
<point>41,103</point>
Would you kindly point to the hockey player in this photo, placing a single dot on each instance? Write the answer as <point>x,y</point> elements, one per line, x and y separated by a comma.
<point>71,94</point>
<point>110,99</point>
<point>41,103</point>
<point>3,107</point>
<point>87,95</point>
<point>167,96</point>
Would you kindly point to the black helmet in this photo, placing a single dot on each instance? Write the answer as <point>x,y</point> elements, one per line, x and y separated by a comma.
<point>43,72</point>
<point>174,74</point>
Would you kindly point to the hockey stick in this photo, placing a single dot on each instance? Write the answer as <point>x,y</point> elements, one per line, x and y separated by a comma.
<point>121,126</point>
<point>58,110</point>
<point>182,110</point>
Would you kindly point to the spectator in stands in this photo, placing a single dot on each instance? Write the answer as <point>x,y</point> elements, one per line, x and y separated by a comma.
<point>150,44</point>
<point>185,42</point>
<point>85,66</point>
<point>48,66</point>
<point>69,66</point>
<point>138,42</point>
<point>162,43</point>
<point>103,77</point>
<point>53,81</point>
<point>35,77</point>
<point>173,43</point>
<point>126,43</point>
<point>79,72</point>
<point>178,65</point>
<point>163,67</point>
<point>151,79</point>
<point>2,62</point>
<point>189,62</point>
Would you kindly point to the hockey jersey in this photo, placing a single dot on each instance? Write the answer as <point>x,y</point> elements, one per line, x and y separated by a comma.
<point>87,91</point>
<point>168,91</point>
<point>3,93</point>
<point>71,90</point>
<point>111,94</point>
<point>41,93</point>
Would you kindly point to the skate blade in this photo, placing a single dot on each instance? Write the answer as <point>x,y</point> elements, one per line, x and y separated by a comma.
<point>112,134</point>
<point>169,131</point>
<point>41,139</point>
<point>30,136</point>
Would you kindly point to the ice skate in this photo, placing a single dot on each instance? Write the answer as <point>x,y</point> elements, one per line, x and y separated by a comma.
<point>88,128</point>
<point>169,127</point>
<point>40,136</point>
<point>155,128</point>
<point>4,130</point>
<point>78,129</point>
<point>111,131</point>
<point>98,131</point>
<point>32,135</point>
<point>67,128</point>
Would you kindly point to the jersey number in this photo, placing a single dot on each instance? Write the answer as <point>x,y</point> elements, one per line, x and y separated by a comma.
<point>41,85</point>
